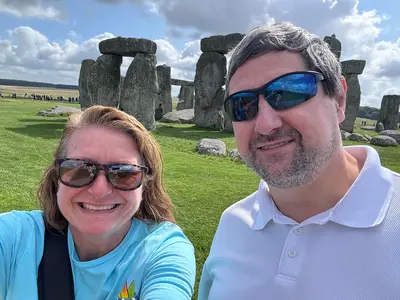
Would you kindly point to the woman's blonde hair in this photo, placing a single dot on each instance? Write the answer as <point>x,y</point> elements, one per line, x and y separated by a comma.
<point>156,204</point>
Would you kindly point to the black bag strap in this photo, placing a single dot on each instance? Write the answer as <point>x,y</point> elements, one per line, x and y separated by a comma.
<point>55,280</point>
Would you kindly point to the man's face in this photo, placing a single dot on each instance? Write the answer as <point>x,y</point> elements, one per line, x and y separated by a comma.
<point>287,148</point>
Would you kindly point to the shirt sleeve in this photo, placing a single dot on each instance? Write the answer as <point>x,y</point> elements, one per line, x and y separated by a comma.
<point>205,284</point>
<point>7,255</point>
<point>171,272</point>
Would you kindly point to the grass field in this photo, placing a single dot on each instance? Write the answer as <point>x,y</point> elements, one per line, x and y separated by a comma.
<point>200,186</point>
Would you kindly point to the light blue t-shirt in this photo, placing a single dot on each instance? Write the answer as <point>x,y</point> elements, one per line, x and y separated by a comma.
<point>152,262</point>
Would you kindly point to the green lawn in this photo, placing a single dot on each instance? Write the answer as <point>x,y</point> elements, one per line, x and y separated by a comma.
<point>201,186</point>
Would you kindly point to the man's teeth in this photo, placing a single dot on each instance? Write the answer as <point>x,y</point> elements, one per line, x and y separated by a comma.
<point>98,207</point>
<point>274,145</point>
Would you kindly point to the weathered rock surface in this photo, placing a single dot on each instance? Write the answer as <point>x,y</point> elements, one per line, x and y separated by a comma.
<point>345,135</point>
<point>209,79</point>
<point>353,66</point>
<point>127,46</point>
<point>334,44</point>
<point>389,111</point>
<point>103,80</point>
<point>382,140</point>
<point>234,154</point>
<point>352,103</point>
<point>140,90</point>
<point>84,97</point>
<point>370,128</point>
<point>185,116</point>
<point>211,147</point>
<point>180,105</point>
<point>164,88</point>
<point>181,82</point>
<point>379,127</point>
<point>392,133</point>
<point>357,137</point>
<point>58,111</point>
<point>220,43</point>
<point>186,94</point>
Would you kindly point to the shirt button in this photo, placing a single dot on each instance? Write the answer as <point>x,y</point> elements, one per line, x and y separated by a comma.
<point>292,253</point>
<point>298,231</point>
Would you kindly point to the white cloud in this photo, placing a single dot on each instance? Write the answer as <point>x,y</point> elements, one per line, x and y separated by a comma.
<point>32,9</point>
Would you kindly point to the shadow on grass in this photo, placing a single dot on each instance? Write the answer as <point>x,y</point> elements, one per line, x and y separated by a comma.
<point>45,131</point>
<point>189,132</point>
<point>44,120</point>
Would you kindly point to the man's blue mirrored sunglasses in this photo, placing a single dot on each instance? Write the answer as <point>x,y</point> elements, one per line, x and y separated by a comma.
<point>283,92</point>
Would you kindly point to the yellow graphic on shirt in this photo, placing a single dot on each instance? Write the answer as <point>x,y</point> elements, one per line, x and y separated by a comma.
<point>127,293</point>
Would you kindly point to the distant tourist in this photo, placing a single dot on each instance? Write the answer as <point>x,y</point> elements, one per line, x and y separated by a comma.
<point>324,223</point>
<point>106,229</point>
<point>158,113</point>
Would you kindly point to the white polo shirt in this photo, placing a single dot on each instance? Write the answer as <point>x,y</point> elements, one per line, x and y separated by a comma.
<point>350,252</point>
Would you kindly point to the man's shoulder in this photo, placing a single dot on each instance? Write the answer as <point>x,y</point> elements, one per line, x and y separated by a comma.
<point>241,211</point>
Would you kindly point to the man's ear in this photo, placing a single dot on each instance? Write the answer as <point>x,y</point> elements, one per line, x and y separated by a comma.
<point>341,100</point>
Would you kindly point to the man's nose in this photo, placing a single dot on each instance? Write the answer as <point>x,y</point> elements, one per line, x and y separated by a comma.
<point>268,119</point>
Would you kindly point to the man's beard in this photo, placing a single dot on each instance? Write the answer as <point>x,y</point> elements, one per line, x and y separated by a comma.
<point>305,165</point>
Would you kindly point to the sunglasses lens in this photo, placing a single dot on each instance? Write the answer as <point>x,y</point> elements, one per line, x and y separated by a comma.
<point>242,106</point>
<point>76,173</point>
<point>125,177</point>
<point>291,90</point>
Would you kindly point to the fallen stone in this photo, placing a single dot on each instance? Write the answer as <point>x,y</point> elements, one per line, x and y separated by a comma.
<point>127,46</point>
<point>185,116</point>
<point>368,137</point>
<point>353,66</point>
<point>234,154</point>
<point>382,140</point>
<point>370,128</point>
<point>345,135</point>
<point>221,43</point>
<point>57,111</point>
<point>357,137</point>
<point>211,147</point>
<point>393,134</point>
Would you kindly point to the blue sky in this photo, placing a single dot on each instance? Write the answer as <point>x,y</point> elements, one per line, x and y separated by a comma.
<point>45,40</point>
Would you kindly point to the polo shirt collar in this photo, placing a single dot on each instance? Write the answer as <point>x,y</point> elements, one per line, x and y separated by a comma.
<point>357,209</point>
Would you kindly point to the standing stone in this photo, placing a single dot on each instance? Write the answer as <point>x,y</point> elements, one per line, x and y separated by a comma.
<point>351,69</point>
<point>220,43</point>
<point>164,86</point>
<point>127,46</point>
<point>389,111</point>
<point>84,97</point>
<point>103,79</point>
<point>186,94</point>
<point>208,82</point>
<point>140,91</point>
<point>334,44</point>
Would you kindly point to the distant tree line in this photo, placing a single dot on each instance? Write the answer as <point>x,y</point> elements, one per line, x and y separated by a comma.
<point>368,112</point>
<point>13,82</point>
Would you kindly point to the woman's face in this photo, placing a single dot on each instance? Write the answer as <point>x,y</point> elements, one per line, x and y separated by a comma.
<point>99,208</point>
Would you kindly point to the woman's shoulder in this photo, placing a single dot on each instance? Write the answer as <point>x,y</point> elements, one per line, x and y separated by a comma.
<point>162,233</point>
<point>17,222</point>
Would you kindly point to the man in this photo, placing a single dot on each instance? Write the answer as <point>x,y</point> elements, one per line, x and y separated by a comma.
<point>324,223</point>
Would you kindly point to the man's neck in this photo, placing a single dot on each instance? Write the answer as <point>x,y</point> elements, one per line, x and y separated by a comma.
<point>322,193</point>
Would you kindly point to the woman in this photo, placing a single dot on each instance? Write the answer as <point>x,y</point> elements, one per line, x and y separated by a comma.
<point>105,190</point>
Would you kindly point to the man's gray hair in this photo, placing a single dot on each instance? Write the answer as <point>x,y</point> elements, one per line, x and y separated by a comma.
<point>286,36</point>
